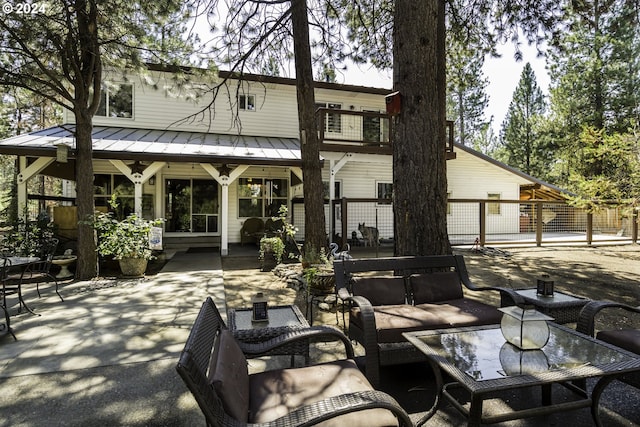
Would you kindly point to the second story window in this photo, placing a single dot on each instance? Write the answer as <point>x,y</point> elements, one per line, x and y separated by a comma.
<point>247,102</point>
<point>116,101</point>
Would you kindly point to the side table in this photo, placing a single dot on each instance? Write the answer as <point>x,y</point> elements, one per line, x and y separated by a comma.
<point>282,319</point>
<point>564,308</point>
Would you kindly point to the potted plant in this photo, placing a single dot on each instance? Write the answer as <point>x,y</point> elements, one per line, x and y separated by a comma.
<point>126,241</point>
<point>271,252</point>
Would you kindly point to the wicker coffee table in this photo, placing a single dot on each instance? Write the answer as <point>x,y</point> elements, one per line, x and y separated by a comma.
<point>564,308</point>
<point>281,319</point>
<point>481,363</point>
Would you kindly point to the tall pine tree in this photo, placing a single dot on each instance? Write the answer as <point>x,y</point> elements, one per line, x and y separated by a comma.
<point>519,137</point>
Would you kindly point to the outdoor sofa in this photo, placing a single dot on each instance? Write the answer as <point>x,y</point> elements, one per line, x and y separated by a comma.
<point>388,296</point>
<point>213,365</point>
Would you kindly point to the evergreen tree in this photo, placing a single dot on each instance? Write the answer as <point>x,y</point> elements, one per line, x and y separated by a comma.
<point>595,84</point>
<point>466,95</point>
<point>60,53</point>
<point>519,138</point>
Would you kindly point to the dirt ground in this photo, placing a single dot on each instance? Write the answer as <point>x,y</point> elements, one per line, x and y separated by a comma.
<point>599,272</point>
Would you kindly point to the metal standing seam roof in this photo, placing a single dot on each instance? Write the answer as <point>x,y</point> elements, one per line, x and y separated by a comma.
<point>167,145</point>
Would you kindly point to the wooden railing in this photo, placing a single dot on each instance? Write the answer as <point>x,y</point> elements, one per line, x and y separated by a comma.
<point>362,132</point>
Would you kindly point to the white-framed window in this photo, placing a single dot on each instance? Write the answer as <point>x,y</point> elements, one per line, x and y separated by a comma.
<point>247,102</point>
<point>449,212</point>
<point>493,208</point>
<point>332,121</point>
<point>116,101</point>
<point>374,129</point>
<point>337,189</point>
<point>384,190</point>
<point>107,185</point>
<point>261,197</point>
<point>191,205</point>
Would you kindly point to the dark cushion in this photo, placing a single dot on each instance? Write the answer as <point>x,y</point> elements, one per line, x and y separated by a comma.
<point>435,287</point>
<point>380,290</point>
<point>393,320</point>
<point>629,339</point>
<point>278,392</point>
<point>230,377</point>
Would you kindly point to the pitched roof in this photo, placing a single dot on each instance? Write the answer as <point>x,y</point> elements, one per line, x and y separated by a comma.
<point>112,142</point>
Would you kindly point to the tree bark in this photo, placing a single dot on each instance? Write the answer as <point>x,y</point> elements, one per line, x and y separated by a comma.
<point>87,264</point>
<point>420,192</point>
<point>314,230</point>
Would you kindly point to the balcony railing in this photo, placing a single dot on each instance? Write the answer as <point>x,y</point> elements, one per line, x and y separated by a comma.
<point>362,132</point>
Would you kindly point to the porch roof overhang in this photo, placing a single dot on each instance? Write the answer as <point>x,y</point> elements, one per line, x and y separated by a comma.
<point>112,142</point>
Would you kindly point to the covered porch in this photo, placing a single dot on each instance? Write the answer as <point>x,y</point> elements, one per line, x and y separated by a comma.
<point>132,162</point>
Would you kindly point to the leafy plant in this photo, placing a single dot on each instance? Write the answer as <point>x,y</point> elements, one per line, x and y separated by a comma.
<point>24,237</point>
<point>273,245</point>
<point>128,238</point>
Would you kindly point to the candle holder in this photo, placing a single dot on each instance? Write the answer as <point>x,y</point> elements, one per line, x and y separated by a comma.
<point>545,286</point>
<point>260,305</point>
<point>524,327</point>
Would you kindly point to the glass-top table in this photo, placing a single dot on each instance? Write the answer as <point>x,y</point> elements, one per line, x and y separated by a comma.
<point>480,361</point>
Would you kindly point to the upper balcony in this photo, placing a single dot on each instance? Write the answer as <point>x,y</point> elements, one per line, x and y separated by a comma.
<point>363,132</point>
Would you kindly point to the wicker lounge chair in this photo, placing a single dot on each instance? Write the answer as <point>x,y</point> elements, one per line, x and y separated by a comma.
<point>627,338</point>
<point>214,368</point>
<point>252,230</point>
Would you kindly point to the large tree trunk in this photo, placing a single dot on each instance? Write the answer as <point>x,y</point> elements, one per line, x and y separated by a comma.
<point>87,257</point>
<point>314,221</point>
<point>419,163</point>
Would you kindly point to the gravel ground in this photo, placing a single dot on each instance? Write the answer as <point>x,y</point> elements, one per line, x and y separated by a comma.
<point>599,272</point>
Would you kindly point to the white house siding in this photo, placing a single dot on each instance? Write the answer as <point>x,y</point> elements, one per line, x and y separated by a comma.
<point>275,114</point>
<point>470,177</point>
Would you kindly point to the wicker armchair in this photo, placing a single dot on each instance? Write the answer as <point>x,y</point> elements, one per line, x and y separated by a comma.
<point>252,231</point>
<point>625,338</point>
<point>213,366</point>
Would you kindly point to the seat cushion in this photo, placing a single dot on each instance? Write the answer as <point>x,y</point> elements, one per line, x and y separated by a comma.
<point>278,392</point>
<point>380,290</point>
<point>435,287</point>
<point>629,339</point>
<point>393,320</point>
<point>229,375</point>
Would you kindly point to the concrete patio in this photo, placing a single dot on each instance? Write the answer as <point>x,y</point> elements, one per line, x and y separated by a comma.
<point>107,354</point>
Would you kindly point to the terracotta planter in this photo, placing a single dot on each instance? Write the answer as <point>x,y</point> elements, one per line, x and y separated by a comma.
<point>133,267</point>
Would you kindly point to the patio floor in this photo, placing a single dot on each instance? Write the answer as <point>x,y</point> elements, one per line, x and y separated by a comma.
<point>106,356</point>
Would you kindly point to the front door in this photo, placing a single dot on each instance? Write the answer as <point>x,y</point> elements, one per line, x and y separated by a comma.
<point>191,205</point>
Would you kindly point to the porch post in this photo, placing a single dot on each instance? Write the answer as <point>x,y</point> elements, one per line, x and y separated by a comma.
<point>224,220</point>
<point>224,182</point>
<point>137,193</point>
<point>24,174</point>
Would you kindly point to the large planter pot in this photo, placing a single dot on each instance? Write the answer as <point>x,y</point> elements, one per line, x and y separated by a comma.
<point>133,267</point>
<point>268,262</point>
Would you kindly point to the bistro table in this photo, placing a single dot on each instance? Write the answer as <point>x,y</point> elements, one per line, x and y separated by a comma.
<point>564,308</point>
<point>281,319</point>
<point>481,363</point>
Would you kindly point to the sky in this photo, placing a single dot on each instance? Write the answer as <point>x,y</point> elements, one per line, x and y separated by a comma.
<point>503,74</point>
